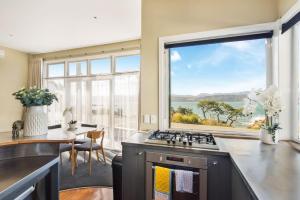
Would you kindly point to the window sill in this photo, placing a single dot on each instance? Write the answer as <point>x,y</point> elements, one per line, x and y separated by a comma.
<point>236,136</point>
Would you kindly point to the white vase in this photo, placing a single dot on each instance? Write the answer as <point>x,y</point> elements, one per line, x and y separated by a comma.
<point>72,126</point>
<point>35,121</point>
<point>267,137</point>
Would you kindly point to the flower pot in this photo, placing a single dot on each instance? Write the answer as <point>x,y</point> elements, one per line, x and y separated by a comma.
<point>267,138</point>
<point>72,126</point>
<point>35,121</point>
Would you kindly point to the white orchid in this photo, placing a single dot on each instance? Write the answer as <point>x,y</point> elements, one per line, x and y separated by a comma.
<point>269,100</point>
<point>249,107</point>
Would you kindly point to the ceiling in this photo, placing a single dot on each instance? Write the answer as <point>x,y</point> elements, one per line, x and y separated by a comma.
<point>40,26</point>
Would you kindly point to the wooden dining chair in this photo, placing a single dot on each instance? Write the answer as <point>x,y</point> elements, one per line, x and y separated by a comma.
<point>62,147</point>
<point>91,146</point>
<point>82,141</point>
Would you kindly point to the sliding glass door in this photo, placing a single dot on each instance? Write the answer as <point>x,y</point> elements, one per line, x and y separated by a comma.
<point>125,100</point>
<point>102,91</point>
<point>101,107</point>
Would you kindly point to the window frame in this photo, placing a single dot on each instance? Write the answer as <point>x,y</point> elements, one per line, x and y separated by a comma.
<point>120,56</point>
<point>77,61</point>
<point>295,83</point>
<point>66,61</point>
<point>54,63</point>
<point>109,76</point>
<point>102,58</point>
<point>164,71</point>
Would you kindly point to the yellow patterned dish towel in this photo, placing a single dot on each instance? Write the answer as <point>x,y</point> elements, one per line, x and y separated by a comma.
<point>162,183</point>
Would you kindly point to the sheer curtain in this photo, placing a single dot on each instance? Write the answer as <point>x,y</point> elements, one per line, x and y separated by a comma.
<point>109,100</point>
<point>125,106</point>
<point>95,101</point>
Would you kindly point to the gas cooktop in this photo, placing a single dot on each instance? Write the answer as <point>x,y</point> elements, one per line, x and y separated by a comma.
<point>183,139</point>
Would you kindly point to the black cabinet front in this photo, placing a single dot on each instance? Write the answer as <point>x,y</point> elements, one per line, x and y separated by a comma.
<point>134,173</point>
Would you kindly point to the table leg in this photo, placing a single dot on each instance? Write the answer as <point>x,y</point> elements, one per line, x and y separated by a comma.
<point>73,159</point>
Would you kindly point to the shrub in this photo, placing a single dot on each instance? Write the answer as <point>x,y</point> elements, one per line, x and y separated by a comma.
<point>187,119</point>
<point>177,118</point>
<point>190,119</point>
<point>257,124</point>
<point>209,122</point>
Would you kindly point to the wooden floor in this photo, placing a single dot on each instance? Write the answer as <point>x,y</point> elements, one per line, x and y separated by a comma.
<point>87,194</point>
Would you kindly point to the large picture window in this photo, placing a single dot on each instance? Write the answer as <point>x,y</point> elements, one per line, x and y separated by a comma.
<point>98,93</point>
<point>208,83</point>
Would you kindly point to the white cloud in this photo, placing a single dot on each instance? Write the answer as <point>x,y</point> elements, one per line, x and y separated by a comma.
<point>214,59</point>
<point>175,56</point>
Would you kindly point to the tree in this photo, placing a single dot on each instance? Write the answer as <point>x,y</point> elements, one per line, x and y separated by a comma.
<point>217,109</point>
<point>184,111</point>
<point>206,106</point>
<point>232,114</point>
<point>235,114</point>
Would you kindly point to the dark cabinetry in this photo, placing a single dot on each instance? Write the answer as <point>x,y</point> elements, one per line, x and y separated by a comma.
<point>29,171</point>
<point>218,178</point>
<point>133,173</point>
<point>240,191</point>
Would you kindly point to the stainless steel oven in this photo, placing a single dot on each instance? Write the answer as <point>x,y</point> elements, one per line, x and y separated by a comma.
<point>196,164</point>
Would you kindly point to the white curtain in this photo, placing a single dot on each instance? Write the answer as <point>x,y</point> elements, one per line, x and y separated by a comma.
<point>110,102</point>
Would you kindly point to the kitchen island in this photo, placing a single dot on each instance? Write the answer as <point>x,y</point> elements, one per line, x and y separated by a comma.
<point>240,169</point>
<point>29,165</point>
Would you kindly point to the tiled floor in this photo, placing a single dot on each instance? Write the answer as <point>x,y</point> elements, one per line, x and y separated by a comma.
<point>87,194</point>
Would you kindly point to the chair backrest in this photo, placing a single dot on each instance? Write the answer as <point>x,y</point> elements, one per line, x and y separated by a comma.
<point>54,126</point>
<point>89,125</point>
<point>94,135</point>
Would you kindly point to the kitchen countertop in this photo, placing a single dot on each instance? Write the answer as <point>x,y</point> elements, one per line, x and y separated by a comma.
<point>15,171</point>
<point>272,172</point>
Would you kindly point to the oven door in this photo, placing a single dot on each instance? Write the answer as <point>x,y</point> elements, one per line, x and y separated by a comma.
<point>196,164</point>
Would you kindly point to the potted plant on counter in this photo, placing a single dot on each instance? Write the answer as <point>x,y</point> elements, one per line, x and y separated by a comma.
<point>269,101</point>
<point>35,118</point>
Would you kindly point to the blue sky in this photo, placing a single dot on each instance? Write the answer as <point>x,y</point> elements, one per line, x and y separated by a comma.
<point>218,68</point>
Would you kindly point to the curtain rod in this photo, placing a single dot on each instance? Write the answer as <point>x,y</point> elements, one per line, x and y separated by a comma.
<point>90,53</point>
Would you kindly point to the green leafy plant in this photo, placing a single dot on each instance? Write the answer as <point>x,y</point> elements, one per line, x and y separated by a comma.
<point>72,122</point>
<point>35,97</point>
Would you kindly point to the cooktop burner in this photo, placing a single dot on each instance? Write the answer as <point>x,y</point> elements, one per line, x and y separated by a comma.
<point>183,138</point>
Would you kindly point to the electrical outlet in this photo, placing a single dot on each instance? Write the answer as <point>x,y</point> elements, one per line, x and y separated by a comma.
<point>153,119</point>
<point>147,119</point>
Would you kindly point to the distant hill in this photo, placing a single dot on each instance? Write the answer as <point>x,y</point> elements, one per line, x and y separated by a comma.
<point>228,97</point>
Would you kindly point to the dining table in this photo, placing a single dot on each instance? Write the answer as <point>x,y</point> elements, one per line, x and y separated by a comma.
<point>59,135</point>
